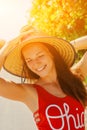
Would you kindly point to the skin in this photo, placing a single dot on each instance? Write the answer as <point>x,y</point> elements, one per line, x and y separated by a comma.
<point>81,67</point>
<point>80,43</point>
<point>40,61</point>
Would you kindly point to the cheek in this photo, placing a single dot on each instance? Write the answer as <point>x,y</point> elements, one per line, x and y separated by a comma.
<point>30,65</point>
<point>50,63</point>
<point>49,60</point>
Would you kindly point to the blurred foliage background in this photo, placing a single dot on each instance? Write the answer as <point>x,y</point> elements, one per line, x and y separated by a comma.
<point>66,19</point>
<point>62,18</point>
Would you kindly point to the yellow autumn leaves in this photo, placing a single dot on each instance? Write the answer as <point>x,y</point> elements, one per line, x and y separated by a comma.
<point>62,18</point>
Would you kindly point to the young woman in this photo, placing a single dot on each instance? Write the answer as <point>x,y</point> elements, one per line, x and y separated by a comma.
<point>57,98</point>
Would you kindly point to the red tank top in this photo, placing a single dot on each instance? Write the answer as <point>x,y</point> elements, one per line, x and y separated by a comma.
<point>57,113</point>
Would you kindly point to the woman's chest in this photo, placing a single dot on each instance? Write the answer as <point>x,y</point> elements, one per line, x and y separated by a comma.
<point>61,114</point>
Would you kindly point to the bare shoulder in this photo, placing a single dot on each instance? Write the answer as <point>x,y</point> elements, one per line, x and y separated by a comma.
<point>16,91</point>
<point>25,93</point>
<point>28,87</point>
<point>31,99</point>
<point>30,90</point>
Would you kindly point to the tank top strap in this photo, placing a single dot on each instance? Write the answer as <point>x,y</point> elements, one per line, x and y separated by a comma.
<point>40,90</point>
<point>42,94</point>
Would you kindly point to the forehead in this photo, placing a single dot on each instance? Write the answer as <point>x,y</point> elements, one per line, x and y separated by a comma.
<point>35,46</point>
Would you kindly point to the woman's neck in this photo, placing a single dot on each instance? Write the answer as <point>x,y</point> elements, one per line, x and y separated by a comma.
<point>50,78</point>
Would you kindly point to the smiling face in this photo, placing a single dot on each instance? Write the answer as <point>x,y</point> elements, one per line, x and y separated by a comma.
<point>38,59</point>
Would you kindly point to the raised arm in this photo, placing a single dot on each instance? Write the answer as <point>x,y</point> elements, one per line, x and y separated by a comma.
<point>12,90</point>
<point>5,50</point>
<point>80,68</point>
<point>9,89</point>
<point>24,93</point>
<point>80,43</point>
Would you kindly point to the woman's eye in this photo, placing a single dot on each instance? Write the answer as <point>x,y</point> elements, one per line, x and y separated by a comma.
<point>28,61</point>
<point>40,56</point>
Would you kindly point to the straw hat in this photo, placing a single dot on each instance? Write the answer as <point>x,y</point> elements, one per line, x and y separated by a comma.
<point>14,62</point>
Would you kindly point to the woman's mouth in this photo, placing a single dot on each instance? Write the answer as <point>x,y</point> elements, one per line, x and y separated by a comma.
<point>41,68</point>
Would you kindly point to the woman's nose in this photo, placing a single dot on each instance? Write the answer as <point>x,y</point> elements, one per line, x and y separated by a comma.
<point>37,63</point>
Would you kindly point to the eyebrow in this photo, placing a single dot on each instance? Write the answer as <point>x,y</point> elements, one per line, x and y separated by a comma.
<point>36,54</point>
<point>39,52</point>
<point>27,59</point>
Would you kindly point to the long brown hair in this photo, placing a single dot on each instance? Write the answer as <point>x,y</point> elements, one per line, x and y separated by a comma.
<point>70,83</point>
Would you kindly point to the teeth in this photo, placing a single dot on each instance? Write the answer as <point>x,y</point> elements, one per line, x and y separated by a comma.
<point>41,68</point>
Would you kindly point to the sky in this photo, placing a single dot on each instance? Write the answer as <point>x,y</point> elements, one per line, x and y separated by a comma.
<point>12,17</point>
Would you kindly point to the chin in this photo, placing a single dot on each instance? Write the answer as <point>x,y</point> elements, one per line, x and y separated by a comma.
<point>43,75</point>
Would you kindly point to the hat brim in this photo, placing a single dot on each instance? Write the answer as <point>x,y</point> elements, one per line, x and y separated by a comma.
<point>2,43</point>
<point>14,62</point>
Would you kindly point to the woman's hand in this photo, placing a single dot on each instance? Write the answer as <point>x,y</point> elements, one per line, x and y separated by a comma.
<point>80,68</point>
<point>6,49</point>
<point>80,43</point>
